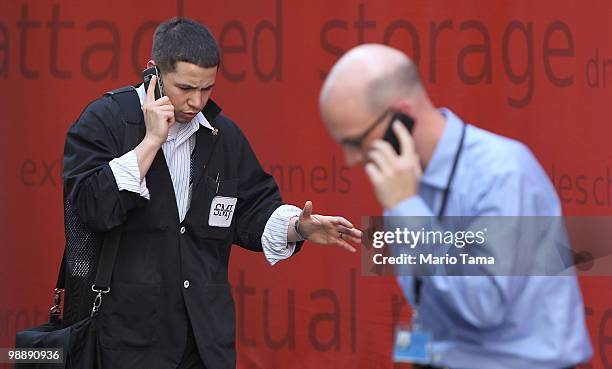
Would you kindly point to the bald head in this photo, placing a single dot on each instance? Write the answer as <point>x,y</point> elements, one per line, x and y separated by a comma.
<point>366,80</point>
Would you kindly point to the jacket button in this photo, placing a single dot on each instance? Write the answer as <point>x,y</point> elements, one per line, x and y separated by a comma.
<point>183,230</point>
<point>186,284</point>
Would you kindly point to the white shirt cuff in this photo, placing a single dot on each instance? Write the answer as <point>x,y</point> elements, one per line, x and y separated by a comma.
<point>127,174</point>
<point>274,238</point>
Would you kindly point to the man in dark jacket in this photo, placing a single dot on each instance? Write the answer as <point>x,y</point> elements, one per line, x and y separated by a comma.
<point>180,208</point>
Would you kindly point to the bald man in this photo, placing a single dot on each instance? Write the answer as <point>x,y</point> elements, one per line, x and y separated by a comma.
<point>446,167</point>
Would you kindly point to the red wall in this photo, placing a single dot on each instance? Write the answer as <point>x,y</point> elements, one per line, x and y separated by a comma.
<point>537,71</point>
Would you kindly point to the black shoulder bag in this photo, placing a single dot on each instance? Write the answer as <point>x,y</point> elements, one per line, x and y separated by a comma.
<point>78,340</point>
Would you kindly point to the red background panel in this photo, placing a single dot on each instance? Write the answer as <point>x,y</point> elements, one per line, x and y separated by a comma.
<point>537,71</point>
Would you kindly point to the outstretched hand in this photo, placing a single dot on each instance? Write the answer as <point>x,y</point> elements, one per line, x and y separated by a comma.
<point>328,230</point>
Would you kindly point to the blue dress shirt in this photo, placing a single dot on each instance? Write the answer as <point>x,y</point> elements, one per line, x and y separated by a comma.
<point>481,322</point>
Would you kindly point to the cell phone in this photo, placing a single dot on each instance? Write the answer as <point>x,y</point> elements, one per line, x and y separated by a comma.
<point>390,137</point>
<point>147,74</point>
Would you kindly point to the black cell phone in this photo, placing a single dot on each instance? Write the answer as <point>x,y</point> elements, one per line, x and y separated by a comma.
<point>147,74</point>
<point>390,137</point>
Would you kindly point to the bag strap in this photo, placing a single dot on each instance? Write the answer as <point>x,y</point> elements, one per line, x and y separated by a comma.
<point>108,254</point>
<point>125,97</point>
<point>106,262</point>
<point>55,311</point>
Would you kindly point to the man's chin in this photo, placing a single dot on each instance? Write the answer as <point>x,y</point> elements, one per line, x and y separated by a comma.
<point>184,118</point>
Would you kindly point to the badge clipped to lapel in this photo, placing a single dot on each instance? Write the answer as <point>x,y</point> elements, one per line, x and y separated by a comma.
<point>411,345</point>
<point>222,211</point>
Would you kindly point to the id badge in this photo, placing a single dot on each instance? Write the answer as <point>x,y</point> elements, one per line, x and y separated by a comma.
<point>411,345</point>
<point>222,211</point>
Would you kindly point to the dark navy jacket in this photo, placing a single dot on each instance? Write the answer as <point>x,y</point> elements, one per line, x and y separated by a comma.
<point>143,320</point>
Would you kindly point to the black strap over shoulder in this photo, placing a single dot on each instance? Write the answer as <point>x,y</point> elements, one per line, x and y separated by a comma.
<point>131,112</point>
<point>129,103</point>
<point>120,90</point>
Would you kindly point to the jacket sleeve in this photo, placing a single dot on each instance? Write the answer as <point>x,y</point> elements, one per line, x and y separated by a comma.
<point>89,184</point>
<point>259,198</point>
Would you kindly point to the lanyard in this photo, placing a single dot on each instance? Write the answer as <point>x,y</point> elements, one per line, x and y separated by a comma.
<point>417,281</point>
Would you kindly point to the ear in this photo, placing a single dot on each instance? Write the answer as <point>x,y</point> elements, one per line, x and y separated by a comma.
<point>150,63</point>
<point>403,106</point>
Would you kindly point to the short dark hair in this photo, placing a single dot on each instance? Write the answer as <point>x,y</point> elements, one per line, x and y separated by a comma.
<point>186,40</point>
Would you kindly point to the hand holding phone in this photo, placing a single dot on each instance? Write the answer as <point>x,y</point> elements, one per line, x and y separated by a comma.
<point>158,111</point>
<point>394,177</point>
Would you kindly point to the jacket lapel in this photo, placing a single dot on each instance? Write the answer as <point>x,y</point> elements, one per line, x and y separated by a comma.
<point>206,140</point>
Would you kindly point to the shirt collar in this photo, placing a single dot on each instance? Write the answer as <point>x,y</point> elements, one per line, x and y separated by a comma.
<point>439,167</point>
<point>181,132</point>
<point>198,120</point>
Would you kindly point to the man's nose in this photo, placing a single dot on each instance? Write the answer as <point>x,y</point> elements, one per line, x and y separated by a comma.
<point>195,99</point>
